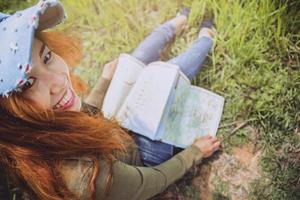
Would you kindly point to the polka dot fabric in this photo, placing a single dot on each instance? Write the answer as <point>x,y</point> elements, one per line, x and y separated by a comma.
<point>16,38</point>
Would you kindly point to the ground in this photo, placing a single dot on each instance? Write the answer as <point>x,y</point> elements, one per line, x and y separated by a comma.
<point>224,176</point>
<point>255,65</point>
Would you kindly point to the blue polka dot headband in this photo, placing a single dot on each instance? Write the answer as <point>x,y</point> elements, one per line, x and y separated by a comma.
<point>16,39</point>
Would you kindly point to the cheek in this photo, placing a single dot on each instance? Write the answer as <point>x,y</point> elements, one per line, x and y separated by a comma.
<point>61,66</point>
<point>41,99</point>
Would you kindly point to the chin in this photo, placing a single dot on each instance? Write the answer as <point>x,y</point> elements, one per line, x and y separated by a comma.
<point>77,104</point>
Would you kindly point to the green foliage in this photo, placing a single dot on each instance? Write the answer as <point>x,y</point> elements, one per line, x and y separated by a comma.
<point>256,62</point>
<point>109,28</point>
<point>9,6</point>
<point>219,196</point>
<point>254,65</point>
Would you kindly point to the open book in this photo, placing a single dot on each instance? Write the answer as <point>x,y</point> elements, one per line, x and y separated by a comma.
<point>159,102</point>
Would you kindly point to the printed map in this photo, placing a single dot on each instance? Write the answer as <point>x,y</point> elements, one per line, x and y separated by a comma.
<point>193,112</point>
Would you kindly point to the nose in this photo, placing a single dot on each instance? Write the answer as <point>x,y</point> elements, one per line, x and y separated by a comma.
<point>57,82</point>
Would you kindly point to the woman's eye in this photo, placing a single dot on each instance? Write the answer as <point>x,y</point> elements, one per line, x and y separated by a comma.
<point>47,57</point>
<point>28,84</point>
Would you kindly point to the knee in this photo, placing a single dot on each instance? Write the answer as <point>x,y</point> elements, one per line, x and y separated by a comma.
<point>141,56</point>
<point>205,43</point>
<point>167,30</point>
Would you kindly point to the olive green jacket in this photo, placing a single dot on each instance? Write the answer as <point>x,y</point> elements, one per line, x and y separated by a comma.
<point>130,179</point>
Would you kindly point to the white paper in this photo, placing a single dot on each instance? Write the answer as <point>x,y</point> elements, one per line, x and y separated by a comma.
<point>144,107</point>
<point>126,74</point>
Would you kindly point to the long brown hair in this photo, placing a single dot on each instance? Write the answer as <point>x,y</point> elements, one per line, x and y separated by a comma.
<point>33,141</point>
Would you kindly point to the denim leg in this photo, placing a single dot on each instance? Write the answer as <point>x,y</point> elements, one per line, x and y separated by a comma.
<point>153,152</point>
<point>149,50</point>
<point>191,61</point>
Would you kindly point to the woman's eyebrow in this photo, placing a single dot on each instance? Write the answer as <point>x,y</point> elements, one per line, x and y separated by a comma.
<point>42,50</point>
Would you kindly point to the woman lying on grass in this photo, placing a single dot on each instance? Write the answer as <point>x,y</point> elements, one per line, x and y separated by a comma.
<point>53,146</point>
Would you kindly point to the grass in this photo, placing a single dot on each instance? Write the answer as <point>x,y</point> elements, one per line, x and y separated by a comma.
<point>254,65</point>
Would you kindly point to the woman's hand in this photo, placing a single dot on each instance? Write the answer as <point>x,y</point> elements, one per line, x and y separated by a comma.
<point>109,69</point>
<point>207,145</point>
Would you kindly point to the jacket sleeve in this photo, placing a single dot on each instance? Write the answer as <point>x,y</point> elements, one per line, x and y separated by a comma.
<point>97,94</point>
<point>133,182</point>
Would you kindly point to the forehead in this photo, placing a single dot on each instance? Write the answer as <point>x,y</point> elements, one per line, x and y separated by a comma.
<point>38,48</point>
<point>36,45</point>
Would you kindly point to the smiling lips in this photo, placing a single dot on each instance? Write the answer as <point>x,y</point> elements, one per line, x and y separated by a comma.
<point>67,101</point>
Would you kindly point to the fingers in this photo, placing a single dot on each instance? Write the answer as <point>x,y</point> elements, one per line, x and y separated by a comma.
<point>214,142</point>
<point>114,62</point>
<point>109,69</point>
<point>216,145</point>
<point>111,63</point>
<point>214,139</point>
<point>206,137</point>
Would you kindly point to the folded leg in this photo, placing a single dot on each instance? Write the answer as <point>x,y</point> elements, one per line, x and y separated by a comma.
<point>149,50</point>
<point>191,61</point>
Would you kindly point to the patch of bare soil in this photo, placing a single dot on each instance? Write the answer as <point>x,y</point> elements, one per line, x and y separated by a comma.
<point>224,176</point>
<point>230,176</point>
<point>236,172</point>
<point>202,182</point>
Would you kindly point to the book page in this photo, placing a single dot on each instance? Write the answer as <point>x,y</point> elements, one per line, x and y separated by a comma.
<point>125,76</point>
<point>175,106</point>
<point>196,114</point>
<point>144,107</point>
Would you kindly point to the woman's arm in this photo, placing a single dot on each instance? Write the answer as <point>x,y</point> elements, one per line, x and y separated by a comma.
<point>97,94</point>
<point>132,182</point>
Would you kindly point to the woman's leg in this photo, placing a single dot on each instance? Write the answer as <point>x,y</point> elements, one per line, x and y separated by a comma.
<point>149,50</point>
<point>154,152</point>
<point>191,61</point>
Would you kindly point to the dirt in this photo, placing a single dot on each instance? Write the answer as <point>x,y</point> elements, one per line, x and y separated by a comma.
<point>223,176</point>
<point>230,176</point>
<point>202,182</point>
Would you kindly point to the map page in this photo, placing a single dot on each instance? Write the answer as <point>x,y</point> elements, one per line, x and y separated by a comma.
<point>194,112</point>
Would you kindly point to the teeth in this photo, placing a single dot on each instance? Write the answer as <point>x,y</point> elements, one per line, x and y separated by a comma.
<point>64,100</point>
<point>57,106</point>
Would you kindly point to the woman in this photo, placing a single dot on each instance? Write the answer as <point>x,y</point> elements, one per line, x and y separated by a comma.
<point>190,63</point>
<point>51,149</point>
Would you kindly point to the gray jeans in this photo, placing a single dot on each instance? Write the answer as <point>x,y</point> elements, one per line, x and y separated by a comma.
<point>190,62</point>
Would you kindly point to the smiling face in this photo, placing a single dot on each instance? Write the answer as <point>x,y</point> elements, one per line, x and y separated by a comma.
<point>49,83</point>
